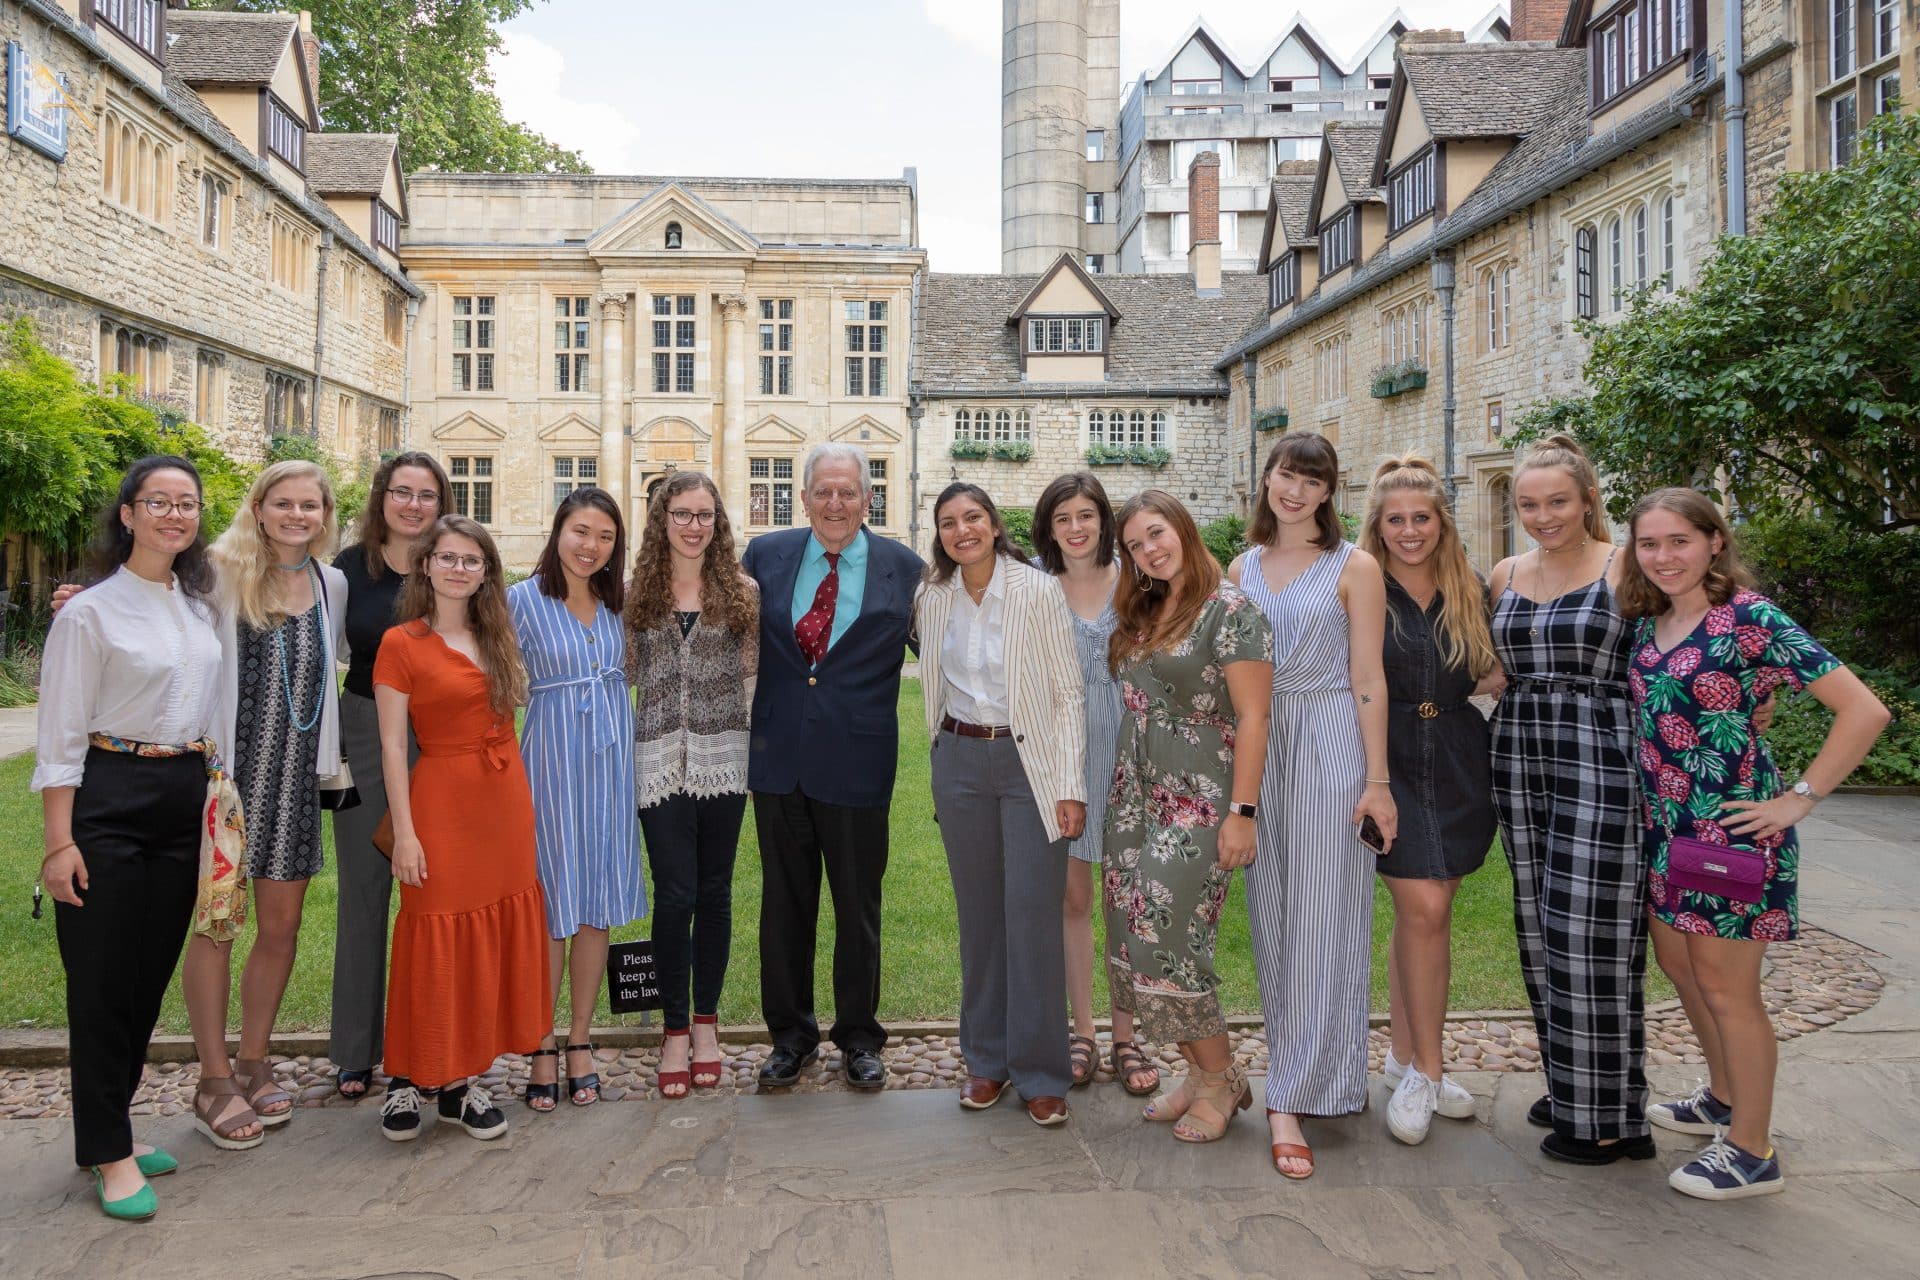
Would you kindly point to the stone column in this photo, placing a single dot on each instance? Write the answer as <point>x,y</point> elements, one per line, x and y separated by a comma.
<point>730,458</point>
<point>613,362</point>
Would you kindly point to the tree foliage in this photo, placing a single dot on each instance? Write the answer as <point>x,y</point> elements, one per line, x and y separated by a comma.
<point>419,68</point>
<point>64,444</point>
<point>1789,374</point>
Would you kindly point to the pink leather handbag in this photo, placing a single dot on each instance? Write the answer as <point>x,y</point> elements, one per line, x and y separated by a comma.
<point>1738,875</point>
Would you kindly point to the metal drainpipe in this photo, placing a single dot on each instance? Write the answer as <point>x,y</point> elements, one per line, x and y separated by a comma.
<point>406,376</point>
<point>916,410</point>
<point>320,328</point>
<point>1443,286</point>
<point>1736,112</point>
<point>1250,370</point>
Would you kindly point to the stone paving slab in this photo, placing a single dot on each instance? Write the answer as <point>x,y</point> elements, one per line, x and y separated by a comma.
<point>19,728</point>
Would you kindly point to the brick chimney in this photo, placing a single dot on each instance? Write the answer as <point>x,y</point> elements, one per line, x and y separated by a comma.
<point>1537,19</point>
<point>310,45</point>
<point>1203,224</point>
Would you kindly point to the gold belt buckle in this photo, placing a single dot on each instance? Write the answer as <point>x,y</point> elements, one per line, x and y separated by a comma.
<point>1428,711</point>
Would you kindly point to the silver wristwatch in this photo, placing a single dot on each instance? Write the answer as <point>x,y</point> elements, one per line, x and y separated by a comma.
<point>1804,789</point>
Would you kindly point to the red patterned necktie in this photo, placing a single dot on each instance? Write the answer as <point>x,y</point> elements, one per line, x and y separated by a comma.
<point>815,628</point>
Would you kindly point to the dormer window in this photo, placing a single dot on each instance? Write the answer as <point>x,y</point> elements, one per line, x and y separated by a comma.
<point>1336,242</point>
<point>1066,335</point>
<point>1283,281</point>
<point>1410,190</point>
<point>286,135</point>
<point>386,227</point>
<point>1636,41</point>
<point>673,235</point>
<point>139,22</point>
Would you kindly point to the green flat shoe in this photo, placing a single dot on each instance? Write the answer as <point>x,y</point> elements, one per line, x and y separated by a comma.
<point>141,1204</point>
<point>155,1163</point>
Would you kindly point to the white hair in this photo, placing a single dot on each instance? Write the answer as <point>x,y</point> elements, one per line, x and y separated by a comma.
<point>836,451</point>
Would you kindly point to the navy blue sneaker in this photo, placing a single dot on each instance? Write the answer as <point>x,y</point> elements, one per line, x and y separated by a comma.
<point>1725,1172</point>
<point>1699,1112</point>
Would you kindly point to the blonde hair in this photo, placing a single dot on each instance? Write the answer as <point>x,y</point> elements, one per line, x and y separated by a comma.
<point>1564,452</point>
<point>1638,596</point>
<point>1465,638</point>
<point>249,570</point>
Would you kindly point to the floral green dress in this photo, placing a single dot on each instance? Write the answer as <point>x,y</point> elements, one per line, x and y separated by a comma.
<point>1698,750</point>
<point>1162,886</point>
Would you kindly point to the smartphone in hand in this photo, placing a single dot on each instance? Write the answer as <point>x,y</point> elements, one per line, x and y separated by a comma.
<point>1370,835</point>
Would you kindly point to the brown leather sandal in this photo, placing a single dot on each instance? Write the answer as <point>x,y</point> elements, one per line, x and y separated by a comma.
<point>271,1104</point>
<point>1084,1057</point>
<point>1129,1062</point>
<point>1226,1090</point>
<point>220,1109</point>
<point>1291,1151</point>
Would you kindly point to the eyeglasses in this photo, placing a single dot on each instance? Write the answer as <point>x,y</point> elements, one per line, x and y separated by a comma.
<point>408,498</point>
<point>158,507</point>
<point>702,518</point>
<point>451,560</point>
<point>827,495</point>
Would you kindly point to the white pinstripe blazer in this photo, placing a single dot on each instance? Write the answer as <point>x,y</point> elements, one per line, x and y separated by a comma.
<point>1046,695</point>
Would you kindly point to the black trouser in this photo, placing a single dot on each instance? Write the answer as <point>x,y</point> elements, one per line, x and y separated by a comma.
<point>798,836</point>
<point>137,822</point>
<point>691,842</point>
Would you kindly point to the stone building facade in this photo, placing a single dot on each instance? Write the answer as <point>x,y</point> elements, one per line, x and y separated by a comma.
<point>173,216</point>
<point>610,330</point>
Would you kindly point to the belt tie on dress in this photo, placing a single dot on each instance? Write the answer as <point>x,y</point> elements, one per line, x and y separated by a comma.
<point>599,686</point>
<point>492,744</point>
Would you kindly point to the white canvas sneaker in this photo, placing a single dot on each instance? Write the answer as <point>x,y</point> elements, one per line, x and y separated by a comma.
<point>1453,1101</point>
<point>1410,1113</point>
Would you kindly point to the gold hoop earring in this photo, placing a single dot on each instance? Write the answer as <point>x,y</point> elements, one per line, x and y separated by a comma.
<point>1140,579</point>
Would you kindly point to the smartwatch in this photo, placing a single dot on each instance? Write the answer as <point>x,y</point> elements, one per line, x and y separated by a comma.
<point>1805,789</point>
<point>1243,809</point>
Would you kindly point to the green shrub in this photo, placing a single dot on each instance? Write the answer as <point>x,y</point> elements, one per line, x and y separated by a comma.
<point>1225,538</point>
<point>1854,590</point>
<point>1018,522</point>
<point>20,678</point>
<point>1801,723</point>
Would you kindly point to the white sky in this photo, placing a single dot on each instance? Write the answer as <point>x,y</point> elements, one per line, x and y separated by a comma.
<point>835,89</point>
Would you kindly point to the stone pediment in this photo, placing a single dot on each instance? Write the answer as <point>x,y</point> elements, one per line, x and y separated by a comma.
<point>571,429</point>
<point>673,429</point>
<point>641,231</point>
<point>773,429</point>
<point>471,428</point>
<point>865,430</point>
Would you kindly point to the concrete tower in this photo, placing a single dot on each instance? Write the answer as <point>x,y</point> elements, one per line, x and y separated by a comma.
<point>1043,131</point>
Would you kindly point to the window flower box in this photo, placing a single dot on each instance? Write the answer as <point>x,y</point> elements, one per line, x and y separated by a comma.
<point>971,448</point>
<point>1393,379</point>
<point>1013,450</point>
<point>1120,455</point>
<point>1270,420</point>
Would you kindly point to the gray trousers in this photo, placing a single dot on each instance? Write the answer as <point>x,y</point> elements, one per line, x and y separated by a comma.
<point>1008,882</point>
<point>366,896</point>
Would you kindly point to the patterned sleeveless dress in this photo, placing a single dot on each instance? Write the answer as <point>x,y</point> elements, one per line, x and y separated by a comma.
<point>1567,791</point>
<point>1310,888</point>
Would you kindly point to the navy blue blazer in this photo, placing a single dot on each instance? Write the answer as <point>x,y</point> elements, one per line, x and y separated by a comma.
<point>831,733</point>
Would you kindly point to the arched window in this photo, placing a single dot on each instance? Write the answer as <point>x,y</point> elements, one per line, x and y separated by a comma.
<point>962,424</point>
<point>1023,425</point>
<point>1666,244</point>
<point>673,235</point>
<point>1137,427</point>
<point>109,155</point>
<point>1003,425</point>
<point>1584,247</point>
<point>1158,438</point>
<point>1097,427</point>
<point>1500,516</point>
<point>1639,245</point>
<point>128,165</point>
<point>1615,263</point>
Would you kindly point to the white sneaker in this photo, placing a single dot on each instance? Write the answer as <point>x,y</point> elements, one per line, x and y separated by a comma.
<point>1454,1102</point>
<point>1410,1113</point>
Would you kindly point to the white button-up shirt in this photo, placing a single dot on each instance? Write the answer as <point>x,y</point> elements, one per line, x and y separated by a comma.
<point>130,658</point>
<point>973,653</point>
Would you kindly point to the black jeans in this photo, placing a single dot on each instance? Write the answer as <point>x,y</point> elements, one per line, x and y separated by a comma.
<point>137,822</point>
<point>690,847</point>
<point>799,837</point>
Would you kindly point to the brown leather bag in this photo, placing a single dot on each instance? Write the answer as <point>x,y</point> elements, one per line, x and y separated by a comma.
<point>383,835</point>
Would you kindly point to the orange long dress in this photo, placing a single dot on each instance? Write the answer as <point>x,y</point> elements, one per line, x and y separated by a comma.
<point>469,977</point>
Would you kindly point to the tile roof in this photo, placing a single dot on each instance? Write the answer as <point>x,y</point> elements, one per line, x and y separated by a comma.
<point>1167,338</point>
<point>1489,90</point>
<point>1353,146</point>
<point>1292,198</point>
<point>349,163</point>
<point>209,47</point>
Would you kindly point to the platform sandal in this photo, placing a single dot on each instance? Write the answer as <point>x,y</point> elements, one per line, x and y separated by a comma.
<point>1129,1062</point>
<point>1226,1090</point>
<point>674,1084</point>
<point>707,1074</point>
<point>219,1109</point>
<point>588,1084</point>
<point>543,1097</point>
<point>255,1075</point>
<point>1083,1056</point>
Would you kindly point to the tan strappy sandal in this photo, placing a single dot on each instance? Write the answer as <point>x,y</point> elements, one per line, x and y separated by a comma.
<point>1227,1090</point>
<point>220,1110</point>
<point>255,1077</point>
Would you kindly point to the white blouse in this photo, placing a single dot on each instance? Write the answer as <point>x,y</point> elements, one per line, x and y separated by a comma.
<point>130,658</point>
<point>973,653</point>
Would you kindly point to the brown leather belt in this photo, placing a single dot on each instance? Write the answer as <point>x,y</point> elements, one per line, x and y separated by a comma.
<point>965,730</point>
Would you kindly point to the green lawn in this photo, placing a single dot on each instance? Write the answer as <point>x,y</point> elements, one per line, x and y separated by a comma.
<point>922,977</point>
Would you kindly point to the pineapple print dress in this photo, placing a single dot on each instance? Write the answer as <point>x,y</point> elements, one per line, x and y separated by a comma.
<point>1698,749</point>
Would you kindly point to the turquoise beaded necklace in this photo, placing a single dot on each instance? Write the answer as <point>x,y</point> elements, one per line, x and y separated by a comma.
<point>280,648</point>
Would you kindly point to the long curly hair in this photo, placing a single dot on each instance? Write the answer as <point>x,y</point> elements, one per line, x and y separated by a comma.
<point>249,574</point>
<point>724,595</point>
<point>1138,597</point>
<point>1638,596</point>
<point>486,611</point>
<point>1466,640</point>
<point>114,543</point>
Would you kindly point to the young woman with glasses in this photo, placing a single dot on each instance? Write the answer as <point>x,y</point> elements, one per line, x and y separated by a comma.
<point>469,980</point>
<point>578,746</point>
<point>405,500</point>
<point>693,649</point>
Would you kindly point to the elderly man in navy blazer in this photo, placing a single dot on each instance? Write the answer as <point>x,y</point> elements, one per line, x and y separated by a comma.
<point>836,607</point>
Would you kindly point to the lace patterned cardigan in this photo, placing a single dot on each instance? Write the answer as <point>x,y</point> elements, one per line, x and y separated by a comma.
<point>695,693</point>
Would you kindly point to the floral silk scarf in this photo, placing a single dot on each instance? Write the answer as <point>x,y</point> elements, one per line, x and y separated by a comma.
<point>220,910</point>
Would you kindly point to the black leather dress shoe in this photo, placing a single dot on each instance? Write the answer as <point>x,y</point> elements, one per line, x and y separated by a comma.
<point>783,1067</point>
<point>865,1070</point>
<point>1558,1146</point>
